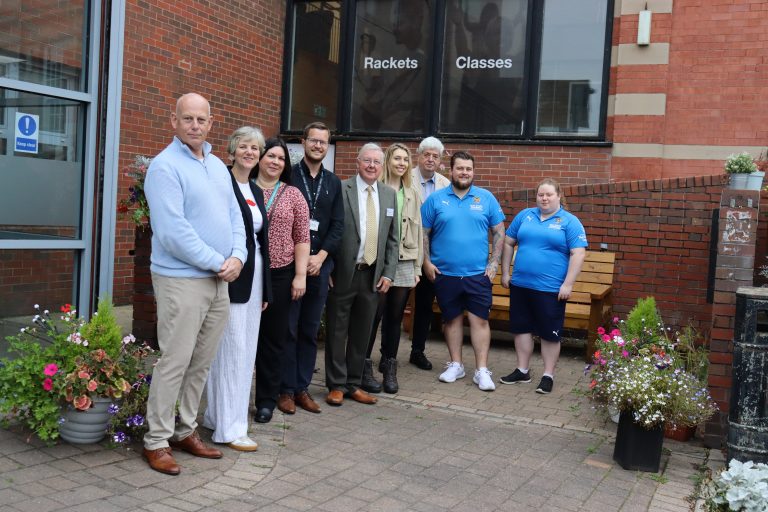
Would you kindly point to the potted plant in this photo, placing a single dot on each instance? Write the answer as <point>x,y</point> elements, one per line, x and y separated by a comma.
<point>64,373</point>
<point>742,487</point>
<point>637,371</point>
<point>740,167</point>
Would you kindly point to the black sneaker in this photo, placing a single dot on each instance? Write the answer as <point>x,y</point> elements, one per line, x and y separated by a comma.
<point>545,385</point>
<point>420,361</point>
<point>516,377</point>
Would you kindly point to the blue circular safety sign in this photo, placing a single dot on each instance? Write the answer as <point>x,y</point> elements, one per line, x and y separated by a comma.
<point>27,125</point>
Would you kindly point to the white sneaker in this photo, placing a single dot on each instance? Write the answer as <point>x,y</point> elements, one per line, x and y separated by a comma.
<point>244,444</point>
<point>483,379</point>
<point>453,371</point>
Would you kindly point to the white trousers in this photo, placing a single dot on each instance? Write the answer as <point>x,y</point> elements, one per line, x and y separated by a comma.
<point>229,381</point>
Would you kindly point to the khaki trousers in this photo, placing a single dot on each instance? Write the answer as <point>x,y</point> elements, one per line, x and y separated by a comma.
<point>191,317</point>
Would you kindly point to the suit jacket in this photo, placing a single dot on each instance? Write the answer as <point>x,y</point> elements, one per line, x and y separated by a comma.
<point>240,288</point>
<point>440,182</point>
<point>386,251</point>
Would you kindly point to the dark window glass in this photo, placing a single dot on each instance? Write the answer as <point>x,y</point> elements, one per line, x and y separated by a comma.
<point>391,62</point>
<point>483,67</point>
<point>571,76</point>
<point>315,70</point>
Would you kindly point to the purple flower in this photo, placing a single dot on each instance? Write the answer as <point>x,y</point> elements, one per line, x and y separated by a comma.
<point>120,437</point>
<point>113,409</point>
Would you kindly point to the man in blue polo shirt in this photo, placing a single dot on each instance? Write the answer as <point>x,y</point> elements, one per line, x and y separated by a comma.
<point>456,222</point>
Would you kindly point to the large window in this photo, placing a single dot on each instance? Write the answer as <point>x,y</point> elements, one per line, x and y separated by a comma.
<point>511,69</point>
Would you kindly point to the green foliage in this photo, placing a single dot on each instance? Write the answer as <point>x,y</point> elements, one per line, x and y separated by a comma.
<point>742,163</point>
<point>103,331</point>
<point>643,320</point>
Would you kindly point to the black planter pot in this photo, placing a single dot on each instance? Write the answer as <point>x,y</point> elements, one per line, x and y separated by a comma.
<point>636,448</point>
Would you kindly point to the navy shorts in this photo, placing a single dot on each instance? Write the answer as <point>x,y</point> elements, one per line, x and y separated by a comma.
<point>536,312</point>
<point>457,294</point>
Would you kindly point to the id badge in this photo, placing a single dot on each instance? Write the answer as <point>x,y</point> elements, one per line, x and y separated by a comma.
<point>314,225</point>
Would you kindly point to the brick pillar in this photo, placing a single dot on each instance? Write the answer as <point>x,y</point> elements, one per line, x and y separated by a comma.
<point>737,236</point>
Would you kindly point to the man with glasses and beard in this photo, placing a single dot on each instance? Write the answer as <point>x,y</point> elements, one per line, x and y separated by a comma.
<point>322,190</point>
<point>456,222</point>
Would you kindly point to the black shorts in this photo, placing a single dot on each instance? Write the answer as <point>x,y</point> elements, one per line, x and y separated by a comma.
<point>457,294</point>
<point>535,312</point>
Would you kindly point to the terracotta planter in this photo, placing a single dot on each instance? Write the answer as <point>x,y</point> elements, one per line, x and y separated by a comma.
<point>679,433</point>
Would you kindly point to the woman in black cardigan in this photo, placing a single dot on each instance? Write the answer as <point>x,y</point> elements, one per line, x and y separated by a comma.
<point>229,381</point>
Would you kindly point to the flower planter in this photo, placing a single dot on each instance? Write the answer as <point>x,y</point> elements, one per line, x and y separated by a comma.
<point>738,181</point>
<point>85,427</point>
<point>755,180</point>
<point>636,448</point>
<point>679,433</point>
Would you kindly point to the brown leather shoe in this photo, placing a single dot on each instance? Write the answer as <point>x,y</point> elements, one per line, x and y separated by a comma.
<point>162,460</point>
<point>286,404</point>
<point>305,401</point>
<point>335,397</point>
<point>194,445</point>
<point>361,396</point>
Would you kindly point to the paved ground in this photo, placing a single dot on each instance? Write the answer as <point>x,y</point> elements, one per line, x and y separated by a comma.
<point>434,446</point>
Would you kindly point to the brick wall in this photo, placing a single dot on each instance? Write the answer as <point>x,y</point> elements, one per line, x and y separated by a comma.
<point>29,277</point>
<point>230,52</point>
<point>660,232</point>
<point>715,82</point>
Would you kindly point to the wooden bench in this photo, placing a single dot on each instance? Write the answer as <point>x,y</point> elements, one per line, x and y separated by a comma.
<point>590,303</point>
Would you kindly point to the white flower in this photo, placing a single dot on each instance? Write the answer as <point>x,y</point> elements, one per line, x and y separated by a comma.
<point>37,306</point>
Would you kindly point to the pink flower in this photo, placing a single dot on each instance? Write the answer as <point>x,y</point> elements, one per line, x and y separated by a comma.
<point>82,403</point>
<point>624,354</point>
<point>48,384</point>
<point>615,319</point>
<point>82,374</point>
<point>600,331</point>
<point>92,385</point>
<point>615,332</point>
<point>50,369</point>
<point>606,337</point>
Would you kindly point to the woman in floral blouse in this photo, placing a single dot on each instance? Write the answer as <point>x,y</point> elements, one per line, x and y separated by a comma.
<point>288,221</point>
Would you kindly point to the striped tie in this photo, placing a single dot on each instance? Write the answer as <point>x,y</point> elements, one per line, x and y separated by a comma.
<point>371,230</point>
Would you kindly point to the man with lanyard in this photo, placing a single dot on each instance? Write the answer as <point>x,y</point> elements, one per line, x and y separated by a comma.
<point>456,222</point>
<point>426,180</point>
<point>322,190</point>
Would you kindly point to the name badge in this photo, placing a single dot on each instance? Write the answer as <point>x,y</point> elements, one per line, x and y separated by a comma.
<point>390,212</point>
<point>314,225</point>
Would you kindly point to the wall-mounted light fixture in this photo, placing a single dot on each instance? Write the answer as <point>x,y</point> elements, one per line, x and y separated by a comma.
<point>644,27</point>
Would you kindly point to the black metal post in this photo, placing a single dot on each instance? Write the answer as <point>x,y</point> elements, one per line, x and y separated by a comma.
<point>748,416</point>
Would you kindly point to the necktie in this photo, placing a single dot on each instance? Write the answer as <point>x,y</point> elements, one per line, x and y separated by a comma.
<point>371,230</point>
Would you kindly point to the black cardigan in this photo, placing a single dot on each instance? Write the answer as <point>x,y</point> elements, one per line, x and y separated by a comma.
<point>240,288</point>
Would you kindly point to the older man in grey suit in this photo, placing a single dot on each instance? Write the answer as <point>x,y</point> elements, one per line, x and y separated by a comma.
<point>365,267</point>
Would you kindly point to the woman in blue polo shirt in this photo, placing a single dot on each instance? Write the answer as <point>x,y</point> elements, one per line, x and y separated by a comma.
<point>551,246</point>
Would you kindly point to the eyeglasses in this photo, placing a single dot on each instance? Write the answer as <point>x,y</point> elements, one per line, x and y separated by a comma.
<point>317,142</point>
<point>368,161</point>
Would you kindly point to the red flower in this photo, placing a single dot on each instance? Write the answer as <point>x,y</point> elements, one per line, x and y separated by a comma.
<point>48,384</point>
<point>592,384</point>
<point>66,308</point>
<point>600,331</point>
<point>92,385</point>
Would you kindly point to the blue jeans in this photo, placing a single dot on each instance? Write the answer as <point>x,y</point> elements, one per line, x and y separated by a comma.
<point>303,323</point>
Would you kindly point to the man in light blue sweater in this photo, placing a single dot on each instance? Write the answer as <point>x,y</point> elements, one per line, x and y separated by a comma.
<point>198,247</point>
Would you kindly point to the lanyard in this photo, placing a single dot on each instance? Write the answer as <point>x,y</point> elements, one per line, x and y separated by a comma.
<point>312,199</point>
<point>273,196</point>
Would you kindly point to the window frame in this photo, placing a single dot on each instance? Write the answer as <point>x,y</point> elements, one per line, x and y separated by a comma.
<point>434,72</point>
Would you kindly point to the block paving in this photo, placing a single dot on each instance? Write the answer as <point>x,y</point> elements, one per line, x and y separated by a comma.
<point>432,447</point>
